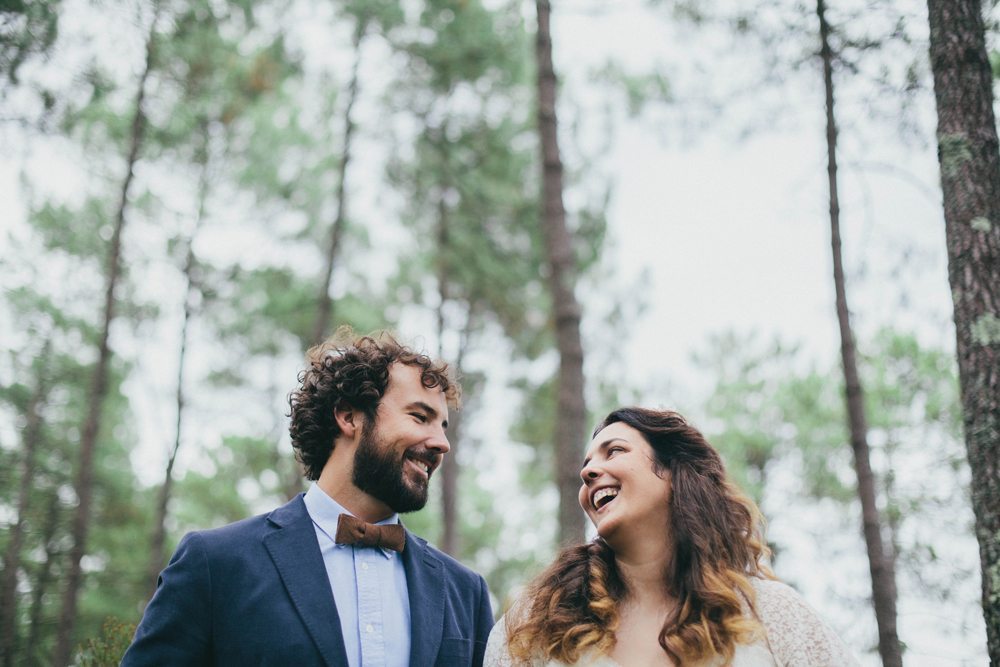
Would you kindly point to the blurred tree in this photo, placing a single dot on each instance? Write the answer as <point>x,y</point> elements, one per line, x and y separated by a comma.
<point>384,15</point>
<point>767,410</point>
<point>970,179</point>
<point>47,355</point>
<point>211,84</point>
<point>27,27</point>
<point>880,561</point>
<point>84,479</point>
<point>572,410</point>
<point>468,190</point>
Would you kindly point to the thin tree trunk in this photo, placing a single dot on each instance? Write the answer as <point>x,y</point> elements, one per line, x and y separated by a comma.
<point>42,582</point>
<point>324,303</point>
<point>84,480</point>
<point>879,562</point>
<point>571,405</point>
<point>449,466</point>
<point>970,179</point>
<point>157,555</point>
<point>12,555</point>
<point>451,537</point>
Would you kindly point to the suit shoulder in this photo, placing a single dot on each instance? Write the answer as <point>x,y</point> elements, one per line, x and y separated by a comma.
<point>254,527</point>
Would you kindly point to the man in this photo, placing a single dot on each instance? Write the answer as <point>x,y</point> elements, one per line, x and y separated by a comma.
<point>309,584</point>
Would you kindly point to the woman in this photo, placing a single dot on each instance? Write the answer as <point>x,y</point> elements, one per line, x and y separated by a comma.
<point>675,575</point>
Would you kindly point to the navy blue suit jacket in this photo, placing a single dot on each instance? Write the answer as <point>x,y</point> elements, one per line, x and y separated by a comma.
<point>256,592</point>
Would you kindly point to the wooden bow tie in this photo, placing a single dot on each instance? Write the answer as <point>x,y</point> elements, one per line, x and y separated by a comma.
<point>352,530</point>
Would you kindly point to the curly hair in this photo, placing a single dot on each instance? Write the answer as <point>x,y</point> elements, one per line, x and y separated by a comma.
<point>351,370</point>
<point>718,546</point>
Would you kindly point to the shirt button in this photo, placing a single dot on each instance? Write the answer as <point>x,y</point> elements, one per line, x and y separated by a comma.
<point>369,628</point>
<point>364,566</point>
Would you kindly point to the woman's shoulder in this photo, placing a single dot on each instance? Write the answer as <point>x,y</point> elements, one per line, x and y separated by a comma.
<point>497,654</point>
<point>796,634</point>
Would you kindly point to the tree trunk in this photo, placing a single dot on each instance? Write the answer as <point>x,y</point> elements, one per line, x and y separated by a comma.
<point>879,562</point>
<point>324,303</point>
<point>157,555</point>
<point>449,466</point>
<point>571,405</point>
<point>12,555</point>
<point>84,479</point>
<point>970,180</point>
<point>451,537</point>
<point>41,586</point>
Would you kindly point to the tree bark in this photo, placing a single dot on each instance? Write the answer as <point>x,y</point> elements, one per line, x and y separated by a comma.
<point>969,158</point>
<point>84,478</point>
<point>571,403</point>
<point>880,563</point>
<point>12,554</point>
<point>324,302</point>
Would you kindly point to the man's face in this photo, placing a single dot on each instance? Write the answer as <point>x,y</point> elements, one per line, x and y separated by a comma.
<point>399,450</point>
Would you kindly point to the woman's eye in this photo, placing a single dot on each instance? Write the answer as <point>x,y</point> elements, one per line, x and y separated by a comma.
<point>614,450</point>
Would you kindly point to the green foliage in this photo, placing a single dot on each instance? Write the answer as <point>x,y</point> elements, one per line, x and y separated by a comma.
<point>638,89</point>
<point>27,28</point>
<point>238,476</point>
<point>108,648</point>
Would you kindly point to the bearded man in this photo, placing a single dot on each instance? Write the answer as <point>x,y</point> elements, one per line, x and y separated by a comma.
<point>332,578</point>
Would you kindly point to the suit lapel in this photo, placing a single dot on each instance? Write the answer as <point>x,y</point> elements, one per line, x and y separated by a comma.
<point>293,548</point>
<point>425,587</point>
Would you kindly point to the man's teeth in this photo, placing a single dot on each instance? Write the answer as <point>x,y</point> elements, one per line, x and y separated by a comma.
<point>602,494</point>
<point>423,465</point>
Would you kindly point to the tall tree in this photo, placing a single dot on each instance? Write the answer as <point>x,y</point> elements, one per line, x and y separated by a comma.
<point>12,554</point>
<point>970,180</point>
<point>84,479</point>
<point>468,192</point>
<point>571,403</point>
<point>157,555</point>
<point>880,562</point>
<point>383,15</point>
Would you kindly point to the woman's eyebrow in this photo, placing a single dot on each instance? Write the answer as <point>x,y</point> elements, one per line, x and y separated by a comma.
<point>603,445</point>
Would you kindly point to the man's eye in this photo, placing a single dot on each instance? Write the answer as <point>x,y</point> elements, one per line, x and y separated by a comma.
<point>419,417</point>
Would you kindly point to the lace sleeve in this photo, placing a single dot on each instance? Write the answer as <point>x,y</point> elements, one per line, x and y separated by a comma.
<point>496,647</point>
<point>795,633</point>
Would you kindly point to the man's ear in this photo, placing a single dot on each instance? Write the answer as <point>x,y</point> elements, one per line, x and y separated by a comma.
<point>348,420</point>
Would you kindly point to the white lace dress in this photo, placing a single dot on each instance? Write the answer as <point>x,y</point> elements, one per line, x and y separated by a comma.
<point>795,637</point>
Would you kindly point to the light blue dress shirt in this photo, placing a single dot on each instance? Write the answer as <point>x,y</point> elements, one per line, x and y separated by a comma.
<point>369,587</point>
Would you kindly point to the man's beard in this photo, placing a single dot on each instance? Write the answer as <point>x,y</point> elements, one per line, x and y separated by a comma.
<point>378,471</point>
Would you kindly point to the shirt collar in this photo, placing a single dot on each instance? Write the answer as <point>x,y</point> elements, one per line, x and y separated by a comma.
<point>325,513</point>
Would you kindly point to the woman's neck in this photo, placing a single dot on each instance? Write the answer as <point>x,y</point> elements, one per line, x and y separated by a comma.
<point>645,576</point>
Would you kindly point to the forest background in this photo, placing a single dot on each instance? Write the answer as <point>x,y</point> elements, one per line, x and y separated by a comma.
<point>192,192</point>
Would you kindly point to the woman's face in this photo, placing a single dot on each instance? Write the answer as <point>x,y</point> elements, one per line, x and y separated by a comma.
<point>620,487</point>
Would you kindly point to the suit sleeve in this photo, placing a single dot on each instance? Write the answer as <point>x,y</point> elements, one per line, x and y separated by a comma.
<point>176,628</point>
<point>484,623</point>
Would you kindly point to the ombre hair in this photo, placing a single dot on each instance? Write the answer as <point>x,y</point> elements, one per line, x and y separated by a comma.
<point>717,547</point>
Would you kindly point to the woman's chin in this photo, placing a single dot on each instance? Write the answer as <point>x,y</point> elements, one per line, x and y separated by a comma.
<point>607,528</point>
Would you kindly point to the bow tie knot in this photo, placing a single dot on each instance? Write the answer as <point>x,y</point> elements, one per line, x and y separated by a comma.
<point>352,530</point>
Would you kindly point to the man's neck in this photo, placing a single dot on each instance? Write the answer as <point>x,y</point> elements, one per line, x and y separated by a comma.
<point>354,500</point>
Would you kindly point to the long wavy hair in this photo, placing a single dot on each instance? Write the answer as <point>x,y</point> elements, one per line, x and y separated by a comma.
<point>717,547</point>
<point>352,370</point>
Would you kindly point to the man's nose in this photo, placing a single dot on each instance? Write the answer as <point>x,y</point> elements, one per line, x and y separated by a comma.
<point>439,442</point>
